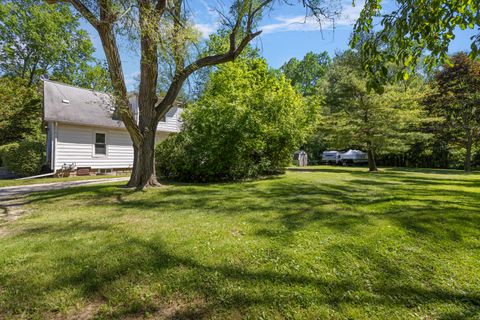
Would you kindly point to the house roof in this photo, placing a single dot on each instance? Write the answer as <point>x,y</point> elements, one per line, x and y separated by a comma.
<point>70,104</point>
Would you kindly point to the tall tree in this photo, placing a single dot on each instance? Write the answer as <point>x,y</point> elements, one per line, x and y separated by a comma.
<point>20,111</point>
<point>38,39</point>
<point>456,99</point>
<point>164,28</point>
<point>413,27</point>
<point>306,73</point>
<point>358,117</point>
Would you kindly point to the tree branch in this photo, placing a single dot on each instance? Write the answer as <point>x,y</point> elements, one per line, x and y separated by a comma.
<point>83,9</point>
<point>178,55</point>
<point>161,6</point>
<point>244,10</point>
<point>177,82</point>
<point>106,13</point>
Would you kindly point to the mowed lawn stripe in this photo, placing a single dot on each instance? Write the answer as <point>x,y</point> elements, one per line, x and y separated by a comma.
<point>329,242</point>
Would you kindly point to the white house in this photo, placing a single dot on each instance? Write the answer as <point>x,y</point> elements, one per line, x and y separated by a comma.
<point>82,131</point>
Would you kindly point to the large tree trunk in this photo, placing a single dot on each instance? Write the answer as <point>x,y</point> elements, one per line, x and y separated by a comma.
<point>143,173</point>
<point>468,155</point>
<point>372,166</point>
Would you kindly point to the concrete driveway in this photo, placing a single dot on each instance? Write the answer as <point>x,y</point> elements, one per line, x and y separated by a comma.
<point>12,198</point>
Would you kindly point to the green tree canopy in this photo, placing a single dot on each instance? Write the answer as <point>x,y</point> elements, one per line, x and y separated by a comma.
<point>456,99</point>
<point>20,111</point>
<point>248,122</point>
<point>39,39</point>
<point>357,117</point>
<point>414,28</point>
<point>306,73</point>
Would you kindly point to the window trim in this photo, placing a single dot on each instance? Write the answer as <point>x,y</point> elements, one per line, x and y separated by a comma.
<point>95,155</point>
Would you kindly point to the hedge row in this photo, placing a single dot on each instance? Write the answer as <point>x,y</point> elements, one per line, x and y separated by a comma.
<point>25,157</point>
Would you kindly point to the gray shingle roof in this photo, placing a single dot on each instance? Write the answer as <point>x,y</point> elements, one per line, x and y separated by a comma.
<point>65,103</point>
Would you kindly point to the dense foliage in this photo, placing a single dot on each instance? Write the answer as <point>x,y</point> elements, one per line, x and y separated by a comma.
<point>413,28</point>
<point>456,99</point>
<point>20,111</point>
<point>25,157</point>
<point>306,74</point>
<point>248,123</point>
<point>46,40</point>
<point>357,117</point>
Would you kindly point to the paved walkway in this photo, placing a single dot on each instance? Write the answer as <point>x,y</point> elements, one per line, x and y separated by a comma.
<point>12,198</point>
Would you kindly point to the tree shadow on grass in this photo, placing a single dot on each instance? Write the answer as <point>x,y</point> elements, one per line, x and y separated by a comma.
<point>118,267</point>
<point>122,262</point>
<point>405,201</point>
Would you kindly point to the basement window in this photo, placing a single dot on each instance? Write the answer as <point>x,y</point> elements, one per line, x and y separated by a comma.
<point>100,144</point>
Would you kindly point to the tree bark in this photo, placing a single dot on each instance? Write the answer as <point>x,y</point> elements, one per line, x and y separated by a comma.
<point>468,155</point>
<point>143,173</point>
<point>372,166</point>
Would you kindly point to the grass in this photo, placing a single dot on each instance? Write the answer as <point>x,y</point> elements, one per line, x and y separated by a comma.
<point>14,182</point>
<point>327,243</point>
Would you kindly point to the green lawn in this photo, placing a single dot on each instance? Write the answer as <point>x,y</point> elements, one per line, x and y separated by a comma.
<point>14,182</point>
<point>329,243</point>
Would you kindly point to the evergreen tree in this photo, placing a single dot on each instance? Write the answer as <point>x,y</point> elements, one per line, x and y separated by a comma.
<point>355,116</point>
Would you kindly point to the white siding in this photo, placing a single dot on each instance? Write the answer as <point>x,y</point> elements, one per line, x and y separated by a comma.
<point>75,144</point>
<point>172,121</point>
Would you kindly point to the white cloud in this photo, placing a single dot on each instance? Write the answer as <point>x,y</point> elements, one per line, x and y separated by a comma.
<point>209,18</point>
<point>301,23</point>
<point>206,29</point>
<point>210,10</point>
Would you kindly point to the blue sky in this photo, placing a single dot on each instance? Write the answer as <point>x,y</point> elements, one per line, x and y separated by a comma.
<point>286,33</point>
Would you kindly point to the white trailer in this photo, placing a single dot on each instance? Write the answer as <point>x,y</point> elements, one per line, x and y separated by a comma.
<point>331,157</point>
<point>353,157</point>
<point>344,158</point>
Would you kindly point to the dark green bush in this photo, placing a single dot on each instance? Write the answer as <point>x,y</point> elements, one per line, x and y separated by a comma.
<point>248,123</point>
<point>25,157</point>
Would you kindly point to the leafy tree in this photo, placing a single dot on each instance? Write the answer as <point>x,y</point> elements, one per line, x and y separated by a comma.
<point>38,39</point>
<point>165,31</point>
<point>25,157</point>
<point>358,117</point>
<point>20,111</point>
<point>248,122</point>
<point>408,31</point>
<point>94,76</point>
<point>306,73</point>
<point>456,99</point>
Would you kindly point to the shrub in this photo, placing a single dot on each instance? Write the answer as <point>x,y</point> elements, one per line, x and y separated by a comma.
<point>25,157</point>
<point>248,123</point>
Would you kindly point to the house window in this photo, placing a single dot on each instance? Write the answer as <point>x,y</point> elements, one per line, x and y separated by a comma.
<point>100,144</point>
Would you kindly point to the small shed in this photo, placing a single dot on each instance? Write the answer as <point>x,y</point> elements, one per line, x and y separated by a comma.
<point>300,158</point>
